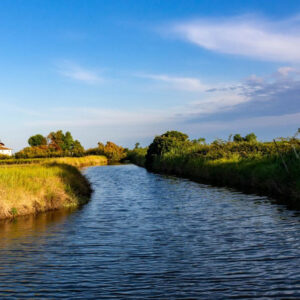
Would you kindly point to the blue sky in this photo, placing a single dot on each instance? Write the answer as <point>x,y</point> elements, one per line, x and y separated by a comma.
<point>126,71</point>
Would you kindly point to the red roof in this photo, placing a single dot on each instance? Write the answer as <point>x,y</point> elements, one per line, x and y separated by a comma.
<point>4,148</point>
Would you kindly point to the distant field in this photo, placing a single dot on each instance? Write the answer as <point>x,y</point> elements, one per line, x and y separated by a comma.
<point>90,160</point>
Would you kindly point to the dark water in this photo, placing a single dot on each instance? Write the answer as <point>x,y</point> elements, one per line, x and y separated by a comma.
<point>149,236</point>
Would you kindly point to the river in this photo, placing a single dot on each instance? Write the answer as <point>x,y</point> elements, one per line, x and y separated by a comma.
<point>145,236</point>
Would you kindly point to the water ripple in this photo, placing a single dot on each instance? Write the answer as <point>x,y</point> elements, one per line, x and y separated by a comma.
<point>147,236</point>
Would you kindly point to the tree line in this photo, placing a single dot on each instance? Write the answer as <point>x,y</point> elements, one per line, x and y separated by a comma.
<point>59,144</point>
<point>177,144</point>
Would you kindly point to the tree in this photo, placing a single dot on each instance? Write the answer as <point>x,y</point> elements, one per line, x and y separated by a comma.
<point>176,135</point>
<point>63,141</point>
<point>68,142</point>
<point>55,140</point>
<point>251,138</point>
<point>37,140</point>
<point>112,151</point>
<point>171,140</point>
<point>137,145</point>
<point>238,138</point>
<point>199,141</point>
<point>78,149</point>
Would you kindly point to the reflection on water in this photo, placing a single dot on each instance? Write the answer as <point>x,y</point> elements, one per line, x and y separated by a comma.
<point>22,227</point>
<point>151,236</point>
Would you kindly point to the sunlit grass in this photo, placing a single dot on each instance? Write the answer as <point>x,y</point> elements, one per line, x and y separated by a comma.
<point>258,167</point>
<point>90,160</point>
<point>44,184</point>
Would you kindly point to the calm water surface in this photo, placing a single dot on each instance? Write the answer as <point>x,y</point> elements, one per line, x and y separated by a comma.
<point>149,236</point>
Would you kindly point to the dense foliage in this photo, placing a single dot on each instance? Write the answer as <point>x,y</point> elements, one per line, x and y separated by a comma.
<point>60,144</point>
<point>251,137</point>
<point>137,155</point>
<point>112,151</point>
<point>37,140</point>
<point>247,147</point>
<point>56,144</point>
<point>165,143</point>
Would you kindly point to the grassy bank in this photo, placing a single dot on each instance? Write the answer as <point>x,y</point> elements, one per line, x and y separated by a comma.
<point>264,176</point>
<point>264,168</point>
<point>39,185</point>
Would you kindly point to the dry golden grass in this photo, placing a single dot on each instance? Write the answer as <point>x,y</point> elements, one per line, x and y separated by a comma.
<point>80,162</point>
<point>47,185</point>
<point>90,160</point>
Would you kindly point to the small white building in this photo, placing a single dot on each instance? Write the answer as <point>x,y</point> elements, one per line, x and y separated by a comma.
<point>4,150</point>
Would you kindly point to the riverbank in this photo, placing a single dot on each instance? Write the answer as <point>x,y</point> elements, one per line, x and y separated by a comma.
<point>271,169</point>
<point>166,232</point>
<point>42,185</point>
<point>264,177</point>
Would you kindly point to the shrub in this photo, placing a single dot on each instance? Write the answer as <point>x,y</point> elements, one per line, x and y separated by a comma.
<point>113,152</point>
<point>167,142</point>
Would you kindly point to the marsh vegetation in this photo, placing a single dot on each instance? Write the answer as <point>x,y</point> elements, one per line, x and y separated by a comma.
<point>31,186</point>
<point>264,167</point>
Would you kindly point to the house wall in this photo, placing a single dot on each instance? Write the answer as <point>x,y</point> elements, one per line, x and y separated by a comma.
<point>6,152</point>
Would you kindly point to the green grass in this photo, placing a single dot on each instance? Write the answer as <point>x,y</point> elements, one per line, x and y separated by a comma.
<point>256,167</point>
<point>265,175</point>
<point>138,156</point>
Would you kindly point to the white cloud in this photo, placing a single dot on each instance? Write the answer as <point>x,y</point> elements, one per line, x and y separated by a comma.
<point>217,101</point>
<point>179,83</point>
<point>78,73</point>
<point>256,38</point>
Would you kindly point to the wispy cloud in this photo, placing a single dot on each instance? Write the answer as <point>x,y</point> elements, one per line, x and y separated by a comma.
<point>217,101</point>
<point>252,98</point>
<point>246,36</point>
<point>178,83</point>
<point>76,72</point>
<point>268,123</point>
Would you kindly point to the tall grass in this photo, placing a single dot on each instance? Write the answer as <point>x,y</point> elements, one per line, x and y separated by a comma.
<point>38,185</point>
<point>264,175</point>
<point>267,168</point>
<point>37,188</point>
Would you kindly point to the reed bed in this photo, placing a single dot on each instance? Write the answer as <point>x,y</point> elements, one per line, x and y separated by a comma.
<point>39,185</point>
<point>265,175</point>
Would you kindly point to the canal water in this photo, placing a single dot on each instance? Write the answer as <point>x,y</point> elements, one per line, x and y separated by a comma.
<point>146,236</point>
